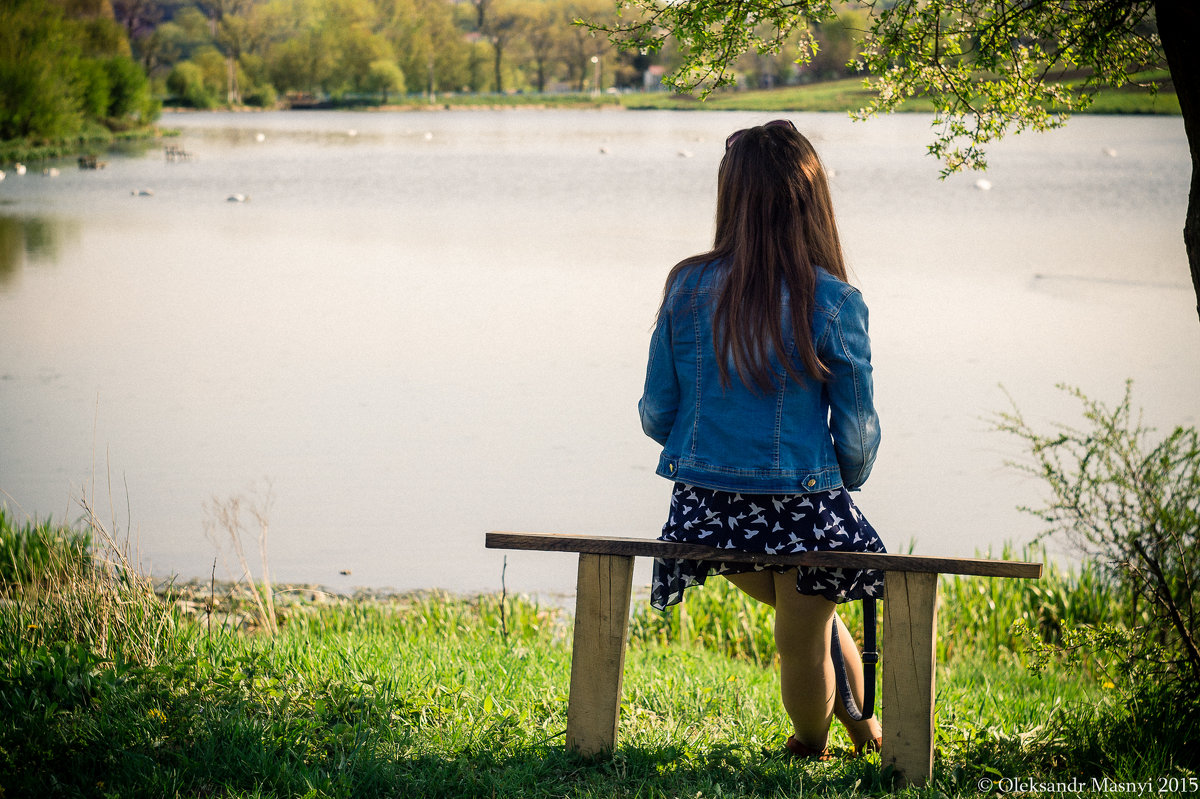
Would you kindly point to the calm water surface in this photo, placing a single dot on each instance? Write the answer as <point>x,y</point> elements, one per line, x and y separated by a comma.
<point>422,326</point>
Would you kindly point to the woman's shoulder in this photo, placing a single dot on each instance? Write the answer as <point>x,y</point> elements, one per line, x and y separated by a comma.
<point>694,276</point>
<point>832,293</point>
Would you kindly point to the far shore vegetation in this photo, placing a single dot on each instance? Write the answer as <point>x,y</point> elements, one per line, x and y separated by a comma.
<point>82,75</point>
<point>844,95</point>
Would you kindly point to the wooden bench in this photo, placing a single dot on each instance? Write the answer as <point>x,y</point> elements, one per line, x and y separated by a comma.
<point>909,622</point>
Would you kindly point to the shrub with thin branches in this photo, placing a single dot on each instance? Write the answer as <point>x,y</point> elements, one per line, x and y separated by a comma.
<point>1131,505</point>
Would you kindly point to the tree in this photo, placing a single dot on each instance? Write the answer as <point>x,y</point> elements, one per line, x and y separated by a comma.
<point>63,65</point>
<point>186,84</point>
<point>584,44</point>
<point>177,40</point>
<point>360,58</point>
<point>221,13</point>
<point>990,67</point>
<point>301,54</point>
<point>538,23</point>
<point>500,27</point>
<point>139,18</point>
<point>385,76</point>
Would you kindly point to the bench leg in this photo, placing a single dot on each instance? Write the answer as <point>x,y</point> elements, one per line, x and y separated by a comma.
<point>598,657</point>
<point>910,637</point>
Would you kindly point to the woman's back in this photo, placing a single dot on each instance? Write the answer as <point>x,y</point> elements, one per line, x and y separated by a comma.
<point>800,435</point>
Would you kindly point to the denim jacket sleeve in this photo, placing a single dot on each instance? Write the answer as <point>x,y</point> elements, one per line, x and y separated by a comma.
<point>853,422</point>
<point>660,397</point>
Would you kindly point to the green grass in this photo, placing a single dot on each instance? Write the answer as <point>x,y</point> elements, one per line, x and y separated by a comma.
<point>451,101</point>
<point>848,94</point>
<point>111,688</point>
<point>33,551</point>
<point>530,99</point>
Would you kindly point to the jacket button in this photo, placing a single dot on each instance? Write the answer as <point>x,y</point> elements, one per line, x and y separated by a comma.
<point>671,468</point>
<point>811,482</point>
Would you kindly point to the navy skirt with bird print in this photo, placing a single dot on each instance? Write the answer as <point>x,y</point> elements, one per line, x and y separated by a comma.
<point>770,523</point>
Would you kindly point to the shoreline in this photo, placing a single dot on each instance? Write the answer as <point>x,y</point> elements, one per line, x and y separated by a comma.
<point>844,96</point>
<point>22,151</point>
<point>231,605</point>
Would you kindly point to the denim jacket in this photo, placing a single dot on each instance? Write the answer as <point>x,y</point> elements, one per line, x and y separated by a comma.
<point>801,438</point>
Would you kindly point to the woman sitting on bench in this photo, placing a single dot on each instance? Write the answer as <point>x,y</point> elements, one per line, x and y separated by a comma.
<point>759,389</point>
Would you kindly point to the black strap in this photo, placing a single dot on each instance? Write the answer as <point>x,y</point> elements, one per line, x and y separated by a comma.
<point>870,656</point>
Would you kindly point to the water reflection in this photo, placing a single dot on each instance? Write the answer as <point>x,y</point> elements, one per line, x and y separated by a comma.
<point>31,240</point>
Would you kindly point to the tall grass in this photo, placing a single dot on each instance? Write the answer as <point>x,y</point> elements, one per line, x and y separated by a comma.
<point>979,611</point>
<point>974,613</point>
<point>32,551</point>
<point>79,587</point>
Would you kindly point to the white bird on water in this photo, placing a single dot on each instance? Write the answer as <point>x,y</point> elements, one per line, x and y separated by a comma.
<point>260,137</point>
<point>237,198</point>
<point>983,184</point>
<point>19,167</point>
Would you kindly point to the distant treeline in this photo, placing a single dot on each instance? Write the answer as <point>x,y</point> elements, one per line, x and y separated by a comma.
<point>78,69</point>
<point>254,52</point>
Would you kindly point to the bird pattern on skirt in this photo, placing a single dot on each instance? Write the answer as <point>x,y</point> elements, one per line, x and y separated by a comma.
<point>769,523</point>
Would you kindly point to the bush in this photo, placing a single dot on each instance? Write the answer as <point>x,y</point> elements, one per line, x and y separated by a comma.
<point>1131,506</point>
<point>261,96</point>
<point>40,99</point>
<point>186,85</point>
<point>129,91</point>
<point>385,76</point>
<point>95,87</point>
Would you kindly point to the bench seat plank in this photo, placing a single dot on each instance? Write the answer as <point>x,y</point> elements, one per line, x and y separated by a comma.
<point>649,547</point>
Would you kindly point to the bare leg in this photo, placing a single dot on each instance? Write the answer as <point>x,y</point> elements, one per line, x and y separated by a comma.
<point>860,731</point>
<point>802,632</point>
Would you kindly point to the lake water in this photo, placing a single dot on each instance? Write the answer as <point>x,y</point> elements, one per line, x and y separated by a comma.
<point>423,326</point>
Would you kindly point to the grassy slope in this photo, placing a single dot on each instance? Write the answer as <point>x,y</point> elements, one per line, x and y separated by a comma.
<point>848,94</point>
<point>431,700</point>
<point>109,689</point>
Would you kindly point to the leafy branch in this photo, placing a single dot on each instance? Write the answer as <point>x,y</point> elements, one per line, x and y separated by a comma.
<point>989,69</point>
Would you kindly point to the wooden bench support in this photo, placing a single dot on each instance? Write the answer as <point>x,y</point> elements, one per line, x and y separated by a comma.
<point>910,654</point>
<point>598,658</point>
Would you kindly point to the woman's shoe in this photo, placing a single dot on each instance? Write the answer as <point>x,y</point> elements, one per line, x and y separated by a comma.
<point>870,745</point>
<point>802,751</point>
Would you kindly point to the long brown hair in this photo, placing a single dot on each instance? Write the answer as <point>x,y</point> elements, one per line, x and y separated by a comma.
<point>775,225</point>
